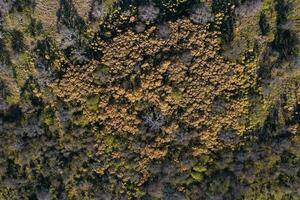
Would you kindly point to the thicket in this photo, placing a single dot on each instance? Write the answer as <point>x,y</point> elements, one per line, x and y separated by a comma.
<point>146,105</point>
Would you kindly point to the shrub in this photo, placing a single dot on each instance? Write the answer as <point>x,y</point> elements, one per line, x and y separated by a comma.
<point>197,176</point>
<point>92,102</point>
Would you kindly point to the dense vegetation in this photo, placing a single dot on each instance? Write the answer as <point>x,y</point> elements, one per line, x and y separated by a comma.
<point>149,99</point>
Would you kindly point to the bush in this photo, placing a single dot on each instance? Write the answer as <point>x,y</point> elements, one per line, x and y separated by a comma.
<point>92,103</point>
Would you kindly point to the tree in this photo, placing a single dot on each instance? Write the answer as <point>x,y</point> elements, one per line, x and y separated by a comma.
<point>17,41</point>
<point>68,16</point>
<point>263,24</point>
<point>202,15</point>
<point>97,10</point>
<point>153,120</point>
<point>35,27</point>
<point>148,12</point>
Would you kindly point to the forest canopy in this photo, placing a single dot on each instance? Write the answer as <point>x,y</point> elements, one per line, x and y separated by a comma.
<point>149,99</point>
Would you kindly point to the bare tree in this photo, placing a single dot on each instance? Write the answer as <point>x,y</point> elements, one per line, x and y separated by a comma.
<point>153,120</point>
<point>3,104</point>
<point>67,37</point>
<point>97,10</point>
<point>202,15</point>
<point>163,30</point>
<point>6,5</point>
<point>148,12</point>
<point>140,27</point>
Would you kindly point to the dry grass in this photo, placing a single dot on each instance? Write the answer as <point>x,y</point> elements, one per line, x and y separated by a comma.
<point>83,7</point>
<point>46,12</point>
